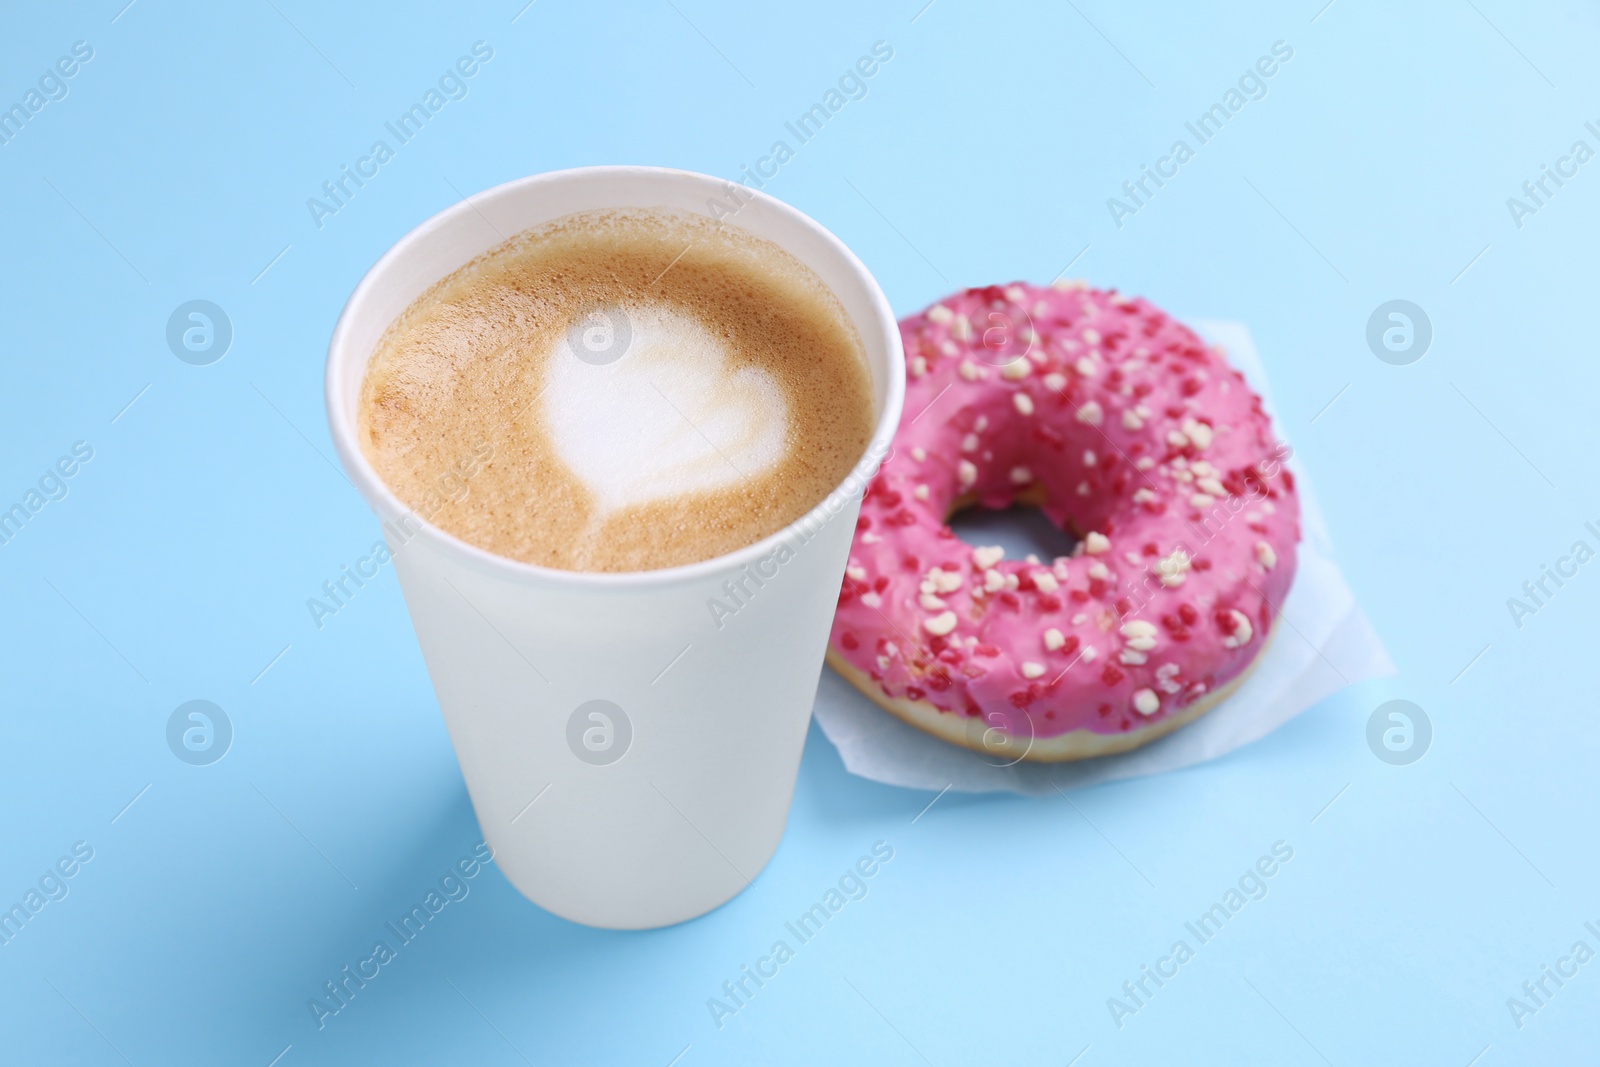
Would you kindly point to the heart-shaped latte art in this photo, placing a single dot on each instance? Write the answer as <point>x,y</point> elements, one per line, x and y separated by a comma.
<point>668,418</point>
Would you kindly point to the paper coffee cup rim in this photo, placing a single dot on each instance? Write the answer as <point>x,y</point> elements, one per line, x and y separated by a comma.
<point>342,399</point>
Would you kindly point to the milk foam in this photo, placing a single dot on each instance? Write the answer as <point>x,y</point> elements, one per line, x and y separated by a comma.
<point>617,391</point>
<point>672,416</point>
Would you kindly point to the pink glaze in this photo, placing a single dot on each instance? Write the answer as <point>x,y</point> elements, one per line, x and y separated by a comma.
<point>1144,443</point>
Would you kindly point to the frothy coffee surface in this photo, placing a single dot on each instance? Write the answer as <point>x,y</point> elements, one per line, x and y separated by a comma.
<point>618,391</point>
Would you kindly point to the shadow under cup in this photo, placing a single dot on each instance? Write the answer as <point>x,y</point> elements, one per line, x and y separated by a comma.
<point>630,754</point>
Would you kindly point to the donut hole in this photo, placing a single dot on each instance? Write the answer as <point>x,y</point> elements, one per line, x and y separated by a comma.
<point>1020,528</point>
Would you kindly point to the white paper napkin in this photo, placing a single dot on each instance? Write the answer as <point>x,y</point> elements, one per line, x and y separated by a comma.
<point>1322,644</point>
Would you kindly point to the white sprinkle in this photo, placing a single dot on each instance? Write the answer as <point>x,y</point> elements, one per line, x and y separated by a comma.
<point>940,624</point>
<point>856,573</point>
<point>1137,629</point>
<point>1055,382</point>
<point>1091,337</point>
<point>1198,432</point>
<point>1053,639</point>
<point>1133,558</point>
<point>1131,420</point>
<point>1067,285</point>
<point>1090,413</point>
<point>1079,619</point>
<point>940,313</point>
<point>1143,496</point>
<point>1266,556</point>
<point>1085,366</point>
<point>960,328</point>
<point>1145,463</point>
<point>1201,500</point>
<point>1203,469</point>
<point>920,492</point>
<point>944,581</point>
<point>870,538</point>
<point>1089,654</point>
<point>993,581</point>
<point>966,473</point>
<point>1099,570</point>
<point>1022,402</point>
<point>1132,657</point>
<point>1016,369</point>
<point>1242,630</point>
<point>919,366</point>
<point>872,600</point>
<point>970,371</point>
<point>1083,489</point>
<point>1021,476</point>
<point>1046,582</point>
<point>949,347</point>
<point>1145,702</point>
<point>930,602</point>
<point>1015,294</point>
<point>1210,485</point>
<point>987,556</point>
<point>919,453</point>
<point>1173,569</point>
<point>1096,543</point>
<point>1089,458</point>
<point>1031,669</point>
<point>1177,439</point>
<point>969,443</point>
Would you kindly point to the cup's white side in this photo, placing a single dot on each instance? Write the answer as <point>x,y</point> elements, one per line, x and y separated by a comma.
<point>696,805</point>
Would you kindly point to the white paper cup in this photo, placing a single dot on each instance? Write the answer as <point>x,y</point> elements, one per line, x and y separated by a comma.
<point>630,750</point>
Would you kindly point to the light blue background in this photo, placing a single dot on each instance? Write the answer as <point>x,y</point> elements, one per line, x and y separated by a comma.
<point>1378,166</point>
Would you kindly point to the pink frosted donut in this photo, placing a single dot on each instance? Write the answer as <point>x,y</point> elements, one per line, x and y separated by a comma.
<point>1130,434</point>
